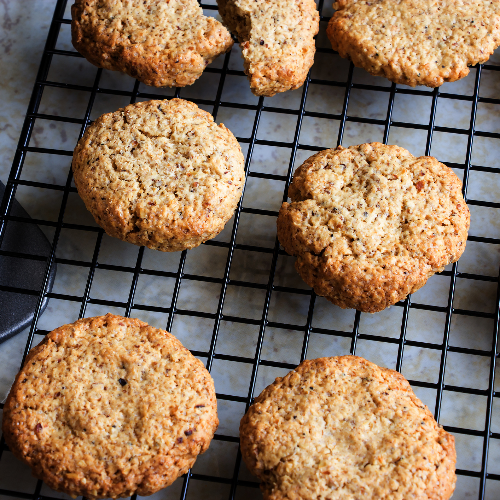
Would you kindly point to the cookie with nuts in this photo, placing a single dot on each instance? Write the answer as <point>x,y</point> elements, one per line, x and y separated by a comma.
<point>277,41</point>
<point>160,174</point>
<point>371,223</point>
<point>161,43</point>
<point>344,428</point>
<point>108,407</point>
<point>424,42</point>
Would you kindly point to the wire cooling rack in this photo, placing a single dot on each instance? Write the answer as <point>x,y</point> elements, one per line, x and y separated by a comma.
<point>263,320</point>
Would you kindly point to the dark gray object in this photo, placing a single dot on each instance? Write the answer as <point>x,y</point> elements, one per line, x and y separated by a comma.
<point>17,309</point>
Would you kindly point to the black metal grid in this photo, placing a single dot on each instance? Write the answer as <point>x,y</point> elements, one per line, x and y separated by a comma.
<point>443,348</point>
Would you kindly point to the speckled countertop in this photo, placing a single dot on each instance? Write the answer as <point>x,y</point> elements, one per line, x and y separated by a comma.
<point>23,30</point>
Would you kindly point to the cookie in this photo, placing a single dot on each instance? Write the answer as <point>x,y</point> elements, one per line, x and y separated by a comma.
<point>347,429</point>
<point>424,42</point>
<point>160,174</point>
<point>276,39</point>
<point>109,407</point>
<point>161,43</point>
<point>371,223</point>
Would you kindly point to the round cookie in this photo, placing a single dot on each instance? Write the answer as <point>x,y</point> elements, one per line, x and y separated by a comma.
<point>424,42</point>
<point>347,429</point>
<point>371,223</point>
<point>161,43</point>
<point>109,407</point>
<point>160,174</point>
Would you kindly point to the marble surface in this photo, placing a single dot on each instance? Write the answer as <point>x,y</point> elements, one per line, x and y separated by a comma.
<point>23,31</point>
<point>22,35</point>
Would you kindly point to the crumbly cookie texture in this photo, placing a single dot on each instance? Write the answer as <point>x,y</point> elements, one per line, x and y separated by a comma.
<point>371,223</point>
<point>276,40</point>
<point>160,174</point>
<point>109,407</point>
<point>416,42</point>
<point>343,428</point>
<point>163,43</point>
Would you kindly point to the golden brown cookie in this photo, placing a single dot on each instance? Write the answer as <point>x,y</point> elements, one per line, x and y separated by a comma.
<point>343,428</point>
<point>416,42</point>
<point>371,223</point>
<point>109,407</point>
<point>160,174</point>
<point>276,40</point>
<point>163,43</point>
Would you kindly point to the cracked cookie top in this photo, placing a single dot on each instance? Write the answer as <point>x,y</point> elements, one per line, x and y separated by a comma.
<point>416,42</point>
<point>345,428</point>
<point>370,223</point>
<point>159,42</point>
<point>109,407</point>
<point>160,174</point>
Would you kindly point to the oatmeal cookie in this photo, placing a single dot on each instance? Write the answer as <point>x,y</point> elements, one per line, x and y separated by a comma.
<point>276,41</point>
<point>347,429</point>
<point>160,174</point>
<point>161,43</point>
<point>416,42</point>
<point>109,407</point>
<point>371,223</point>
